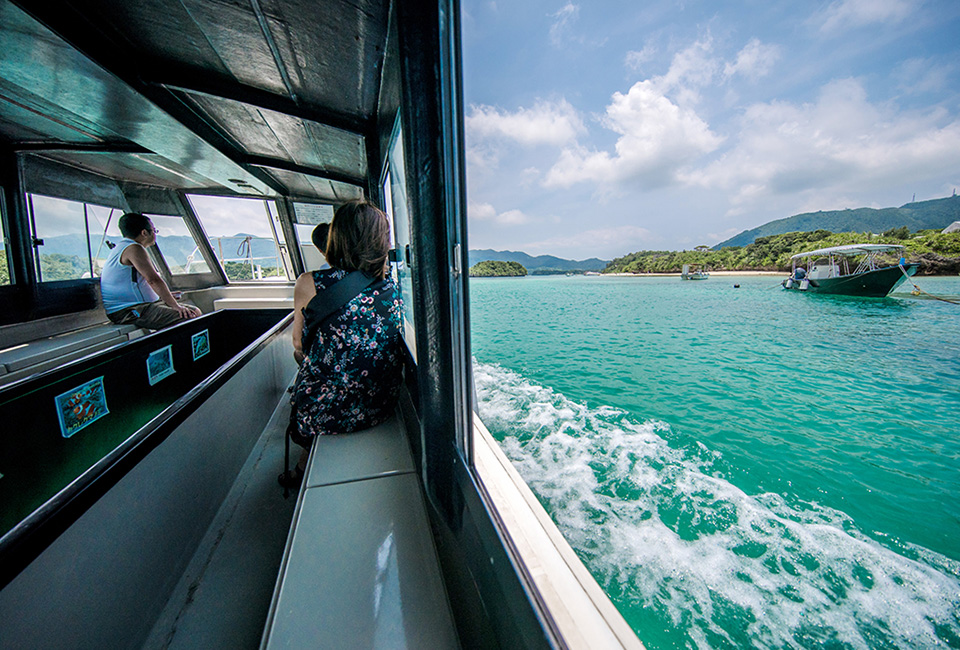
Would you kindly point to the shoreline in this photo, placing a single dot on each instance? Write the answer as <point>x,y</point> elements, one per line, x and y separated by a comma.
<point>677,275</point>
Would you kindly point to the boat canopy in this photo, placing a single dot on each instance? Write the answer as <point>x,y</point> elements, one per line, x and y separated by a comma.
<point>851,249</point>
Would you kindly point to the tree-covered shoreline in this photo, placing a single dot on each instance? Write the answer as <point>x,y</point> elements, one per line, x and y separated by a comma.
<point>936,252</point>
<point>496,269</point>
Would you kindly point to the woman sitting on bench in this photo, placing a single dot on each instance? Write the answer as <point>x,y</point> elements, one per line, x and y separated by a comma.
<point>346,334</point>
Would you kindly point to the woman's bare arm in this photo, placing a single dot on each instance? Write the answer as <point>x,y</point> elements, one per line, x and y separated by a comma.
<point>303,292</point>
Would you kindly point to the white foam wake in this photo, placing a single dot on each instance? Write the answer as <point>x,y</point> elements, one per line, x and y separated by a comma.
<point>674,544</point>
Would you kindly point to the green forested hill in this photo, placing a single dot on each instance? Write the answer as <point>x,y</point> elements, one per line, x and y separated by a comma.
<point>937,253</point>
<point>492,268</point>
<point>935,214</point>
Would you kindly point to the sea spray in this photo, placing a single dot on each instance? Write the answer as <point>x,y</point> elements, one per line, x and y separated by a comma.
<point>690,559</point>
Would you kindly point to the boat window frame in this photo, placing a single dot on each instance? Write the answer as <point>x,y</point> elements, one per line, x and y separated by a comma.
<point>279,237</point>
<point>36,240</point>
<point>302,244</point>
<point>198,245</point>
<point>403,270</point>
<point>4,240</point>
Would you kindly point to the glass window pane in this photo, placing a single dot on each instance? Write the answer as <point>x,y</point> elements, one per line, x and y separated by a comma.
<point>311,214</point>
<point>4,259</point>
<point>177,246</point>
<point>396,205</point>
<point>313,259</point>
<point>242,237</point>
<point>60,225</point>
<point>104,234</point>
<point>308,216</point>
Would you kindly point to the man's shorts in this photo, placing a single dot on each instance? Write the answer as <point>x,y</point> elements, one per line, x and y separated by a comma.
<point>151,315</point>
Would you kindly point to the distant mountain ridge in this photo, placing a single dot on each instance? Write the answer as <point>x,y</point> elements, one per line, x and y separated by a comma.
<point>538,263</point>
<point>178,247</point>
<point>921,215</point>
<point>174,247</point>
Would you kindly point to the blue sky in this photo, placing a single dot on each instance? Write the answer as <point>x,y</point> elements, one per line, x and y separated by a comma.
<point>603,128</point>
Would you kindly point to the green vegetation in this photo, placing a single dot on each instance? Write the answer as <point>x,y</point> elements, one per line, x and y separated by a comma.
<point>237,271</point>
<point>492,269</point>
<point>54,266</point>
<point>922,215</point>
<point>551,271</point>
<point>4,269</point>
<point>936,252</point>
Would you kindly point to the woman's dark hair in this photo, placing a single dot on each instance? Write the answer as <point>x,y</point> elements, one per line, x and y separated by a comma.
<point>132,224</point>
<point>319,237</point>
<point>359,239</point>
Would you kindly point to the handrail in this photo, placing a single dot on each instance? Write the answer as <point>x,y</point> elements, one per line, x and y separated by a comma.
<point>28,539</point>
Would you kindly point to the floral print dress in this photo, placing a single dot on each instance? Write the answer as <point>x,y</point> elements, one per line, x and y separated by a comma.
<point>351,374</point>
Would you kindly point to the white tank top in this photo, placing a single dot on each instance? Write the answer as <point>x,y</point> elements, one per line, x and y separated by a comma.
<point>117,284</point>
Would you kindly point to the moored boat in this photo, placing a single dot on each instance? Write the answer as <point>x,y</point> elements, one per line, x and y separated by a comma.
<point>695,274</point>
<point>851,270</point>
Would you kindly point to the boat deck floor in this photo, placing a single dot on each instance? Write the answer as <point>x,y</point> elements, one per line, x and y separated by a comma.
<point>223,598</point>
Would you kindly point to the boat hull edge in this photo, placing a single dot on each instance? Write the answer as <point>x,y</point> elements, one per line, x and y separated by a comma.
<point>872,284</point>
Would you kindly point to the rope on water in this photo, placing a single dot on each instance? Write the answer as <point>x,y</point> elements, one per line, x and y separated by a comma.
<point>917,290</point>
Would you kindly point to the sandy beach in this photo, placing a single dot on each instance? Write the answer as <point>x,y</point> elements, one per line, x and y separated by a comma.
<point>712,273</point>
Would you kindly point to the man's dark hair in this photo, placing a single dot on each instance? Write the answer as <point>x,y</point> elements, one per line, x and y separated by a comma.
<point>359,239</point>
<point>319,237</point>
<point>132,224</point>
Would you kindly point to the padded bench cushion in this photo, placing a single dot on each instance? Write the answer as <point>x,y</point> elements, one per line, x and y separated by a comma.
<point>360,570</point>
<point>379,451</point>
<point>253,303</point>
<point>29,354</point>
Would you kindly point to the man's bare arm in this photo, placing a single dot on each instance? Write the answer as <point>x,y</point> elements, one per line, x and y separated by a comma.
<point>136,256</point>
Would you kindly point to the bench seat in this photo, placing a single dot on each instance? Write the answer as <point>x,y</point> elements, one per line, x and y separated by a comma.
<point>360,568</point>
<point>253,303</point>
<point>36,356</point>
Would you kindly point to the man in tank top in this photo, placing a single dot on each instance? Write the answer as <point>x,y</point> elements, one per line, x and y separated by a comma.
<point>132,290</point>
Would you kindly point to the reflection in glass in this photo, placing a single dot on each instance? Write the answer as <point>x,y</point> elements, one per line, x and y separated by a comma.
<point>4,263</point>
<point>307,216</point>
<point>395,198</point>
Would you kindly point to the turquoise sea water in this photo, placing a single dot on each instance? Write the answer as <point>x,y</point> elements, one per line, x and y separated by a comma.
<point>738,467</point>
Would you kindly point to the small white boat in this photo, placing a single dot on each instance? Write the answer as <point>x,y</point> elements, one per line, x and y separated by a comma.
<point>695,274</point>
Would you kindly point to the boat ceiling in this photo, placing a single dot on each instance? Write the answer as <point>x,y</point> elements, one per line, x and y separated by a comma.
<point>255,97</point>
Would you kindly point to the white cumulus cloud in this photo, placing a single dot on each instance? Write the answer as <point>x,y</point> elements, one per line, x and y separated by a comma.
<point>845,14</point>
<point>635,59</point>
<point>657,137</point>
<point>755,60</point>
<point>562,21</point>
<point>486,212</point>
<point>690,69</point>
<point>923,75</point>
<point>552,123</point>
<point>839,143</point>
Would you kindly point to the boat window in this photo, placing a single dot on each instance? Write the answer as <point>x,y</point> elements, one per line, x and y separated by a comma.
<point>395,204</point>
<point>4,257</point>
<point>243,237</point>
<point>104,234</point>
<point>177,245</point>
<point>308,216</point>
<point>63,236</point>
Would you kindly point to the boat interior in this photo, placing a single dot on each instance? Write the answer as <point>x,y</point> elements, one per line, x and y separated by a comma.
<point>138,468</point>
